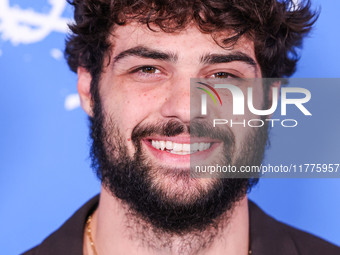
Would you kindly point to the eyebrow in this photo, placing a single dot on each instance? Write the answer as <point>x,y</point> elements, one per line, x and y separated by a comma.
<point>227,58</point>
<point>145,52</point>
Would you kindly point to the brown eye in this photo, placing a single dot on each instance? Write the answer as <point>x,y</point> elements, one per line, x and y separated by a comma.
<point>222,75</point>
<point>149,69</point>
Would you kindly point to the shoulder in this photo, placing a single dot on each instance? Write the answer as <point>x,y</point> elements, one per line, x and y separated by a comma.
<point>307,243</point>
<point>68,239</point>
<point>269,236</point>
<point>33,251</point>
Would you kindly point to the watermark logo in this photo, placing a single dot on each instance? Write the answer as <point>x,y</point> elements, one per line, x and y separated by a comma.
<point>204,97</point>
<point>241,98</point>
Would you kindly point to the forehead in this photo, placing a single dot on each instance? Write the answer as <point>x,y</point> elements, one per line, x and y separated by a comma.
<point>189,41</point>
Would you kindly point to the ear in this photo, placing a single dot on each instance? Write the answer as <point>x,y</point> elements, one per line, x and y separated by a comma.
<point>84,86</point>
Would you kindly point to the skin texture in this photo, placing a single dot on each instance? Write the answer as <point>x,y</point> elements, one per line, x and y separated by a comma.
<point>133,96</point>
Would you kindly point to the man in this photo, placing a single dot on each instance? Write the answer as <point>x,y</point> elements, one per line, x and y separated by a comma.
<point>134,61</point>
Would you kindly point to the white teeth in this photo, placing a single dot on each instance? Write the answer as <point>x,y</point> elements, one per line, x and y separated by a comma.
<point>168,145</point>
<point>194,147</point>
<point>162,145</point>
<point>179,148</point>
<point>206,146</point>
<point>153,143</point>
<point>186,147</point>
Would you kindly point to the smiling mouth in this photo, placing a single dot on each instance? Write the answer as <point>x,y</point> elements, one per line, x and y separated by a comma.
<point>179,148</point>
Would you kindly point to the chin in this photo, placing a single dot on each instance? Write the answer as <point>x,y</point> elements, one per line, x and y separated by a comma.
<point>179,187</point>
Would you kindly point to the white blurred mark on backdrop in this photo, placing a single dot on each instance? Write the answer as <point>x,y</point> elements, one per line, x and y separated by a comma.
<point>24,26</point>
<point>27,26</point>
<point>72,102</point>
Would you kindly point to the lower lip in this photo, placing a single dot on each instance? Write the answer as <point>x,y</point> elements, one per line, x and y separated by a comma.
<point>172,158</point>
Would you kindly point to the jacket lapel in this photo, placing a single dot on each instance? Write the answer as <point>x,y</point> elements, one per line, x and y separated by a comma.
<point>268,236</point>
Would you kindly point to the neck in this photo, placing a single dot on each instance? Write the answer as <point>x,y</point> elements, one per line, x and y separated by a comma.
<point>116,231</point>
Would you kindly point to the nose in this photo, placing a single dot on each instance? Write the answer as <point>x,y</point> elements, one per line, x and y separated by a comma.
<point>178,103</point>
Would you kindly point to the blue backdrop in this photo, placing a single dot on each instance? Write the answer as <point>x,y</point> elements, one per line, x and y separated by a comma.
<point>44,170</point>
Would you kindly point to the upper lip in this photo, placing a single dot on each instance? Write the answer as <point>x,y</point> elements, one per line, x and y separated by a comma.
<point>183,139</point>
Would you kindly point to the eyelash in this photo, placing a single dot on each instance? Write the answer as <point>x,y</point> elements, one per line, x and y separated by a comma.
<point>139,71</point>
<point>228,74</point>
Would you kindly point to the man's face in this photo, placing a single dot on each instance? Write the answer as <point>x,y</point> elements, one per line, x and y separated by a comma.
<point>144,94</point>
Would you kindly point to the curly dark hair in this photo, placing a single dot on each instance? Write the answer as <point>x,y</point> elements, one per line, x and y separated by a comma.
<point>277,27</point>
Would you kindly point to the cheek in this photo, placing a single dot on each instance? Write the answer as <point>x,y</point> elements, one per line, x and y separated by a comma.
<point>130,106</point>
<point>236,107</point>
<point>240,125</point>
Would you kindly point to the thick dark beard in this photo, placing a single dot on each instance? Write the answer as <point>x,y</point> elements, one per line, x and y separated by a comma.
<point>131,178</point>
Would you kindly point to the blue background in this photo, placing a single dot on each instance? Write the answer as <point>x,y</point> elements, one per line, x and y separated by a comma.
<point>44,170</point>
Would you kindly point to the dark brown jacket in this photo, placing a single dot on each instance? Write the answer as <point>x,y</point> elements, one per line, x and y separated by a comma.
<point>267,236</point>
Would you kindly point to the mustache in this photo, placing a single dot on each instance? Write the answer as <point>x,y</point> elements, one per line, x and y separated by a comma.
<point>196,128</point>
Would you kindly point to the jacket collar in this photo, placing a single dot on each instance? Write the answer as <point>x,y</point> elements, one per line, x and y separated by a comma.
<point>68,239</point>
